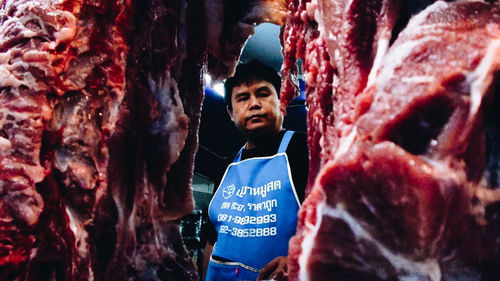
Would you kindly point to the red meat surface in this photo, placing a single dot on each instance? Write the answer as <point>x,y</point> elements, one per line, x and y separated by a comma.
<point>403,138</point>
<point>99,113</point>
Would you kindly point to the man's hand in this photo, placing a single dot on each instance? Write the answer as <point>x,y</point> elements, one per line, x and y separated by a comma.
<point>273,269</point>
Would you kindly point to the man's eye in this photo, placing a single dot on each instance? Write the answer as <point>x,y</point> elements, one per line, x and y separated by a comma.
<point>241,99</point>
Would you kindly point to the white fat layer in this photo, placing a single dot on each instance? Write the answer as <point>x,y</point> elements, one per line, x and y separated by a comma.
<point>398,53</point>
<point>7,79</point>
<point>113,110</point>
<point>481,78</point>
<point>81,235</point>
<point>326,34</point>
<point>130,225</point>
<point>348,5</point>
<point>36,173</point>
<point>383,45</point>
<point>411,270</point>
<point>396,57</point>
<point>67,32</point>
<point>5,144</point>
<point>13,70</point>
<point>314,13</point>
<point>422,79</point>
<point>308,242</point>
<point>346,143</point>
<point>18,116</point>
<point>421,17</point>
<point>72,224</point>
<point>28,211</point>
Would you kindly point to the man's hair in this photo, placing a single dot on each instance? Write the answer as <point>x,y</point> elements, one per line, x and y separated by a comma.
<point>248,72</point>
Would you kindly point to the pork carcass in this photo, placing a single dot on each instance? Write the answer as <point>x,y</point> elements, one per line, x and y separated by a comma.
<point>404,138</point>
<point>99,114</point>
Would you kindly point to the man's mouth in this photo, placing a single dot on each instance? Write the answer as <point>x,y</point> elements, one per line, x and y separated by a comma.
<point>255,117</point>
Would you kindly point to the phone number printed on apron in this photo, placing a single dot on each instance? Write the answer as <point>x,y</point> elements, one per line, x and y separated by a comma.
<point>248,232</point>
<point>247,219</point>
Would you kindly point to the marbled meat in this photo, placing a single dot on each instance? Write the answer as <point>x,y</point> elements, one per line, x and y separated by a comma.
<point>404,139</point>
<point>99,114</point>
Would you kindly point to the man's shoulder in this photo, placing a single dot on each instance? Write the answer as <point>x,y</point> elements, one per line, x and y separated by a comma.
<point>298,141</point>
<point>298,158</point>
<point>299,135</point>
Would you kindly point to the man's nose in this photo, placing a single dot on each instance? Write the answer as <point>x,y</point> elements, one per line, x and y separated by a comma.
<point>254,102</point>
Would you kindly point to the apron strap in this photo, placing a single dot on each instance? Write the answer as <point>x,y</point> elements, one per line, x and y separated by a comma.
<point>284,141</point>
<point>238,157</point>
<point>283,145</point>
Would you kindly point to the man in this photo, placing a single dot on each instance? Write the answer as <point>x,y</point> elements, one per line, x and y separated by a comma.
<point>254,210</point>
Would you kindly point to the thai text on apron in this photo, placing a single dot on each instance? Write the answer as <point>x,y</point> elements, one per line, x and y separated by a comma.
<point>255,213</point>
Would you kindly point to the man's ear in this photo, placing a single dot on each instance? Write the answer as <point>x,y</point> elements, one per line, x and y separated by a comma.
<point>283,109</point>
<point>230,112</point>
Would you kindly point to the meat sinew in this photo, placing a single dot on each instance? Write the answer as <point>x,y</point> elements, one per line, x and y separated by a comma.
<point>403,132</point>
<point>99,114</point>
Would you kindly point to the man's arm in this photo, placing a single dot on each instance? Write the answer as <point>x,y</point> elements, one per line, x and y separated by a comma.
<point>206,258</point>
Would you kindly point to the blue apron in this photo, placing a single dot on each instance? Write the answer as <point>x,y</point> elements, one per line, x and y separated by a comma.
<point>255,214</point>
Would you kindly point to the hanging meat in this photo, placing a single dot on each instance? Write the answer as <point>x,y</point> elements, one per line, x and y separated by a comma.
<point>99,113</point>
<point>404,139</point>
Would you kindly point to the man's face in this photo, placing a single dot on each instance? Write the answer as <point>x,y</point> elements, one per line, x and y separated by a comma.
<point>256,109</point>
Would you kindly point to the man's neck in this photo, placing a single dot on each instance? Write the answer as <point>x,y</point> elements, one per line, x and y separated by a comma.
<point>260,140</point>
